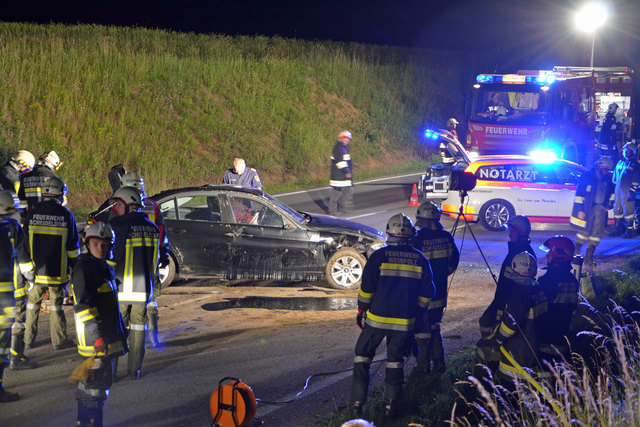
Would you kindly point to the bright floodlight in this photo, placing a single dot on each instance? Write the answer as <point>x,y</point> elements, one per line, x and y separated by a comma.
<point>591,17</point>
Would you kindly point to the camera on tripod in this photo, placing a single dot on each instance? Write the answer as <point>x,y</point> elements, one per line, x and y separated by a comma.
<point>461,181</point>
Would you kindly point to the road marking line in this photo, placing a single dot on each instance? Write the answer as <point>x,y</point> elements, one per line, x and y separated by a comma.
<point>365,215</point>
<point>292,193</point>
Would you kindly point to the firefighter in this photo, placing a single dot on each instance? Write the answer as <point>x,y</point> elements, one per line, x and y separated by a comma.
<point>594,197</point>
<point>240,175</point>
<point>341,174</point>
<point>135,255</point>
<point>516,337</point>
<point>7,302</point>
<point>20,163</point>
<point>519,228</point>
<point>152,211</point>
<point>625,178</point>
<point>30,192</point>
<point>438,246</point>
<point>101,333</point>
<point>451,128</point>
<point>607,142</point>
<point>54,245</point>
<point>560,287</point>
<point>10,216</point>
<point>397,286</point>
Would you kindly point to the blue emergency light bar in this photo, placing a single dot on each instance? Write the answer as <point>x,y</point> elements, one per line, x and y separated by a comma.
<point>430,134</point>
<point>544,79</point>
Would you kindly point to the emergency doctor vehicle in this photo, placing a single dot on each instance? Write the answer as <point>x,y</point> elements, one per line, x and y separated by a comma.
<point>541,187</point>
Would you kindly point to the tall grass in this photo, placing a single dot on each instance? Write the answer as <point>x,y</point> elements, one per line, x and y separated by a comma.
<point>179,107</point>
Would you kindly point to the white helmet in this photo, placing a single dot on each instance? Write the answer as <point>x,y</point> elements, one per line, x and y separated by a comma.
<point>130,196</point>
<point>24,158</point>
<point>452,122</point>
<point>50,159</point>
<point>54,187</point>
<point>99,230</point>
<point>9,203</point>
<point>613,107</point>
<point>524,264</point>
<point>401,226</point>
<point>343,134</point>
<point>133,179</point>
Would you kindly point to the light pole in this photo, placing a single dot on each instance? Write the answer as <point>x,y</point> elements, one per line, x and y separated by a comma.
<point>588,19</point>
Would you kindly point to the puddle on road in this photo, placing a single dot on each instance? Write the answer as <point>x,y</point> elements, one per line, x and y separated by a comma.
<point>280,303</point>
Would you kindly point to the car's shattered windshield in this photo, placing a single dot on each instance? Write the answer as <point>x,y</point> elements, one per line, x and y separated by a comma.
<point>295,214</point>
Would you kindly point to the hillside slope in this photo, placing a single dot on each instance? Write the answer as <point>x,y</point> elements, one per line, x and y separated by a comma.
<point>179,107</point>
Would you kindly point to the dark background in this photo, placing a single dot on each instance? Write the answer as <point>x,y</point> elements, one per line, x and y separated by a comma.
<point>514,34</point>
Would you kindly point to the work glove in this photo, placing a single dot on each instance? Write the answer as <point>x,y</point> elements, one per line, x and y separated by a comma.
<point>631,197</point>
<point>100,345</point>
<point>359,318</point>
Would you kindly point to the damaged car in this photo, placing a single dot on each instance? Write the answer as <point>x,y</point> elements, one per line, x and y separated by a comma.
<point>235,233</point>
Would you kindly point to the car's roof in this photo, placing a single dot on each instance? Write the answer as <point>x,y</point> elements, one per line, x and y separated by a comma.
<point>209,187</point>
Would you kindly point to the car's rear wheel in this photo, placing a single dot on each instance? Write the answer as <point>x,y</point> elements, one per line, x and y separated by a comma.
<point>344,269</point>
<point>167,273</point>
<point>495,214</point>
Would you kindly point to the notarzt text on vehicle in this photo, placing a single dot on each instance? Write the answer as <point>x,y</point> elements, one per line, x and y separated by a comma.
<point>519,175</point>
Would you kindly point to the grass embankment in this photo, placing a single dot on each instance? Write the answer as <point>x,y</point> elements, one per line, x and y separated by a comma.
<point>179,107</point>
<point>599,386</point>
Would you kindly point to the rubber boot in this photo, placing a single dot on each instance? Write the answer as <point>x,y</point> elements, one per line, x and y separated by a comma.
<point>136,353</point>
<point>437,351</point>
<point>17,359</point>
<point>628,232</point>
<point>114,369</point>
<point>152,328</point>
<point>588,258</point>
<point>391,408</point>
<point>423,361</point>
<point>90,411</point>
<point>578,248</point>
<point>618,228</point>
<point>6,396</point>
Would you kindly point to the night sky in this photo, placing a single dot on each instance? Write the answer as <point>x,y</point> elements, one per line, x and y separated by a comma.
<point>524,33</point>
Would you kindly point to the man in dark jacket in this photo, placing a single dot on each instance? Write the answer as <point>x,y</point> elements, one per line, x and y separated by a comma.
<point>20,163</point>
<point>594,197</point>
<point>341,174</point>
<point>100,329</point>
<point>519,228</point>
<point>608,141</point>
<point>240,175</point>
<point>438,246</point>
<point>560,287</point>
<point>397,286</point>
<point>30,192</point>
<point>626,178</point>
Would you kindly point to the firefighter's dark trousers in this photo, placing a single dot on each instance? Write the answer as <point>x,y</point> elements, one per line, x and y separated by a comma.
<point>56,314</point>
<point>17,329</point>
<point>596,223</point>
<point>338,195</point>
<point>398,345</point>
<point>92,394</point>
<point>135,315</point>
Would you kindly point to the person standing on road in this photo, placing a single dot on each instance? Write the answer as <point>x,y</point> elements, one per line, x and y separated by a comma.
<point>594,197</point>
<point>20,163</point>
<point>30,192</point>
<point>240,175</point>
<point>341,174</point>
<point>519,228</point>
<point>516,338</point>
<point>54,246</point>
<point>560,287</point>
<point>397,286</point>
<point>135,255</point>
<point>438,246</point>
<point>102,335</point>
<point>625,178</point>
<point>153,212</point>
<point>608,141</point>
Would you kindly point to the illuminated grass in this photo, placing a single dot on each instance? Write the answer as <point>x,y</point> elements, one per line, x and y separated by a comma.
<point>179,107</point>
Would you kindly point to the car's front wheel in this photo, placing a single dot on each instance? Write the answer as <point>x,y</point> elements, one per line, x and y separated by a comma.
<point>167,273</point>
<point>495,214</point>
<point>344,269</point>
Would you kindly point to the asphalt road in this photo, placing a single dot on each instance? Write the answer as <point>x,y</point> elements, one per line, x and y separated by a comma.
<point>273,350</point>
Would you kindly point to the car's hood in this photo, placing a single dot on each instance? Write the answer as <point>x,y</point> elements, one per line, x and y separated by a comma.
<point>344,226</point>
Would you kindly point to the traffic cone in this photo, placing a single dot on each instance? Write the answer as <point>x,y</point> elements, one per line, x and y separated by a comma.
<point>414,197</point>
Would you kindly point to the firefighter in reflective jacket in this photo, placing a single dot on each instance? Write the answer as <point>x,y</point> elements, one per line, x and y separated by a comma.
<point>152,211</point>
<point>30,192</point>
<point>7,302</point>
<point>100,329</point>
<point>397,286</point>
<point>440,249</point>
<point>20,163</point>
<point>135,254</point>
<point>9,214</point>
<point>517,336</point>
<point>594,197</point>
<point>560,287</point>
<point>625,178</point>
<point>54,246</point>
<point>608,142</point>
<point>341,174</point>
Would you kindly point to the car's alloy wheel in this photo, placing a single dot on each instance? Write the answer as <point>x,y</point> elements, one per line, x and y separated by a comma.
<point>495,214</point>
<point>344,269</point>
<point>167,273</point>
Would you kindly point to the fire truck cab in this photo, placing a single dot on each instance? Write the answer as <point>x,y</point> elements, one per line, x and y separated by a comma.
<point>554,110</point>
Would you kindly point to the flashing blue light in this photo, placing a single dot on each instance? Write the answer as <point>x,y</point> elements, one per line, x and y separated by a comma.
<point>483,78</point>
<point>551,79</point>
<point>430,134</point>
<point>543,156</point>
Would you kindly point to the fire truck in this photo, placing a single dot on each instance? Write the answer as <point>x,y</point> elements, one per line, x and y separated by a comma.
<point>558,110</point>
